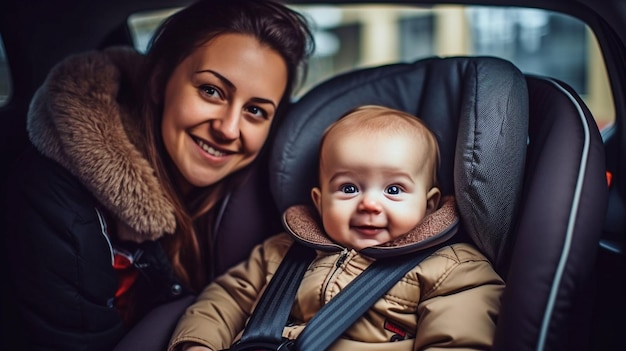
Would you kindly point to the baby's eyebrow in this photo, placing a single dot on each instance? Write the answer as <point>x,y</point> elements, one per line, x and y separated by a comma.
<point>398,174</point>
<point>340,174</point>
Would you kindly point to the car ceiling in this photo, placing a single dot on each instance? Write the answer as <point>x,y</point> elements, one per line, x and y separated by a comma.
<point>84,25</point>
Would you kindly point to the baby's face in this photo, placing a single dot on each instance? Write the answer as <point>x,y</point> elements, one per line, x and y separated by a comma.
<point>373,189</point>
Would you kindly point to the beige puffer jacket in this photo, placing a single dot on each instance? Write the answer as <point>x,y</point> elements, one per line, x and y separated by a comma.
<point>449,301</point>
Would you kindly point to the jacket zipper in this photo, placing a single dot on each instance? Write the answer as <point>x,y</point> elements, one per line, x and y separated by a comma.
<point>340,261</point>
<point>105,233</point>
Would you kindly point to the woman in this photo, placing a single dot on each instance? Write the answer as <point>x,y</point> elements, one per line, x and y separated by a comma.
<point>110,214</point>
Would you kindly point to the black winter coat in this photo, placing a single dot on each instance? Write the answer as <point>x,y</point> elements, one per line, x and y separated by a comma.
<point>60,199</point>
<point>67,283</point>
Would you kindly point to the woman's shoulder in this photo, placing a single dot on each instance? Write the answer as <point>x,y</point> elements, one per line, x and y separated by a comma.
<point>44,203</point>
<point>35,173</point>
<point>36,183</point>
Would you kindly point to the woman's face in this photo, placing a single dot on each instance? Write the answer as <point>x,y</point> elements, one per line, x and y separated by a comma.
<point>219,104</point>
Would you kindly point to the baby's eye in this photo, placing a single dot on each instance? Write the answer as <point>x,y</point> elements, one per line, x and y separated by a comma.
<point>349,188</point>
<point>393,190</point>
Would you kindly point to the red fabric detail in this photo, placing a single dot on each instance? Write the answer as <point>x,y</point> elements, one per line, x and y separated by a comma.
<point>126,276</point>
<point>392,327</point>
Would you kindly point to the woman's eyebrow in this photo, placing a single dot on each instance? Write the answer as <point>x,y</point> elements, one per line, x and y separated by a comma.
<point>263,101</point>
<point>223,79</point>
<point>232,86</point>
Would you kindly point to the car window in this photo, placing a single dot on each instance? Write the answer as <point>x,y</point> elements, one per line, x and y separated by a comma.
<point>5,77</point>
<point>142,26</point>
<point>537,41</point>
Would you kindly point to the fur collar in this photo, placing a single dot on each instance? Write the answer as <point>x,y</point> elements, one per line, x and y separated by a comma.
<point>75,119</point>
<point>303,223</point>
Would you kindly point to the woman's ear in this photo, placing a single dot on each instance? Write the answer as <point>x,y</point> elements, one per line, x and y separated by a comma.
<point>316,196</point>
<point>432,199</point>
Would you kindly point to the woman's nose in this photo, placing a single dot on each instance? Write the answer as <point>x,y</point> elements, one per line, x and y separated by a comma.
<point>227,127</point>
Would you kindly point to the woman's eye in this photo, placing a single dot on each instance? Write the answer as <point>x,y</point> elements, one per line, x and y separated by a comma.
<point>349,189</point>
<point>257,112</point>
<point>393,190</point>
<point>210,91</point>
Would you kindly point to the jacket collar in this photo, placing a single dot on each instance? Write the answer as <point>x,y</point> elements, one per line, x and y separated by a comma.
<point>303,223</point>
<point>75,119</point>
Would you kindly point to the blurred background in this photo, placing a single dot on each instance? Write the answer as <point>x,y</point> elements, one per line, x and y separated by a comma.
<point>348,37</point>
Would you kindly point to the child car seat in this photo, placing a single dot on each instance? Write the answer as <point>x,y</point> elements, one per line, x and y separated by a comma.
<point>523,157</point>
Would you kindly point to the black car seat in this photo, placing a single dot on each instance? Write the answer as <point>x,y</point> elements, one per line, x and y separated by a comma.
<point>524,159</point>
<point>564,203</point>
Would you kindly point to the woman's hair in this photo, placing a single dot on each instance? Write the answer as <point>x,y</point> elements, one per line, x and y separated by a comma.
<point>272,24</point>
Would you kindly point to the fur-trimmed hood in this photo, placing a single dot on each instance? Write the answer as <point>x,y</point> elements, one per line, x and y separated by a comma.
<point>302,222</point>
<point>75,119</point>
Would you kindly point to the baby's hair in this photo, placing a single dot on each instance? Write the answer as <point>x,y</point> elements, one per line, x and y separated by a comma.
<point>376,120</point>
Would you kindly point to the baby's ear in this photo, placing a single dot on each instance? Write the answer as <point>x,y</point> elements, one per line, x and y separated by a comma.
<point>432,199</point>
<point>316,196</point>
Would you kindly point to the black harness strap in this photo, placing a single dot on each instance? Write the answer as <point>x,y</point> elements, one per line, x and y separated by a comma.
<point>271,313</point>
<point>355,299</point>
<point>265,328</point>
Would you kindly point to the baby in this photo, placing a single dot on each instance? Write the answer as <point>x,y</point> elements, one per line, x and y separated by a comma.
<point>377,193</point>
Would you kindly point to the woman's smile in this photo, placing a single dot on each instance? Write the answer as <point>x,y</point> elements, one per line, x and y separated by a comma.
<point>210,149</point>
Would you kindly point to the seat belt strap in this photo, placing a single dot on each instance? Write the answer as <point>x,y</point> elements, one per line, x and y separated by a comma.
<point>355,299</point>
<point>268,320</point>
<point>265,327</point>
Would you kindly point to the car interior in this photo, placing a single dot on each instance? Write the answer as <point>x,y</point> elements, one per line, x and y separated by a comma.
<point>527,99</point>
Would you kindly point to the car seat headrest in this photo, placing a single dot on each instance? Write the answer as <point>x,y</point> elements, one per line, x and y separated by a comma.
<point>476,106</point>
